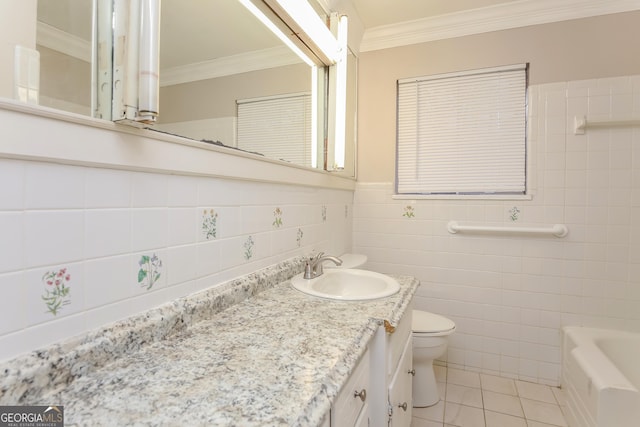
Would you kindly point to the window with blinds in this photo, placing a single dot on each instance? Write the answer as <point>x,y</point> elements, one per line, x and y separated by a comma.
<point>278,127</point>
<point>463,133</point>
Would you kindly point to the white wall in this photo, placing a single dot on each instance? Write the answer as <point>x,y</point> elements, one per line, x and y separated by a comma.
<point>95,224</point>
<point>509,296</point>
<point>17,27</point>
<point>597,47</point>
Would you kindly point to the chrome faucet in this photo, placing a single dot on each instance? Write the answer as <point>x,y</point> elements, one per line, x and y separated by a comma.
<point>313,267</point>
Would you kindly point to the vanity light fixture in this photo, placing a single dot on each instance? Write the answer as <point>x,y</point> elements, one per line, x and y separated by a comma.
<point>149,62</point>
<point>309,27</point>
<point>341,94</point>
<point>135,62</point>
<point>314,115</point>
<point>276,30</point>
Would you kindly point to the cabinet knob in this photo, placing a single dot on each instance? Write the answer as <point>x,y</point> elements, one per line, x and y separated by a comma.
<point>403,406</point>
<point>412,372</point>
<point>362,394</point>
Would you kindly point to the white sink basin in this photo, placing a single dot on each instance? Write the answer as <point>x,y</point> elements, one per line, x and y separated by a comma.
<point>348,284</point>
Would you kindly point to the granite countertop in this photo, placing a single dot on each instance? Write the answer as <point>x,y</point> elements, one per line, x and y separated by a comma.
<point>278,357</point>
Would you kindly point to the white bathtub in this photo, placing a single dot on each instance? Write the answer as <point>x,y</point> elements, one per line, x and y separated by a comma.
<point>601,377</point>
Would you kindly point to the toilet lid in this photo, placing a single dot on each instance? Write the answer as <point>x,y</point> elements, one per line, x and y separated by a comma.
<point>426,322</point>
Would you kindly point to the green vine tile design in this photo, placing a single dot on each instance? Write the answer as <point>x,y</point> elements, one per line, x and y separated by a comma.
<point>209,224</point>
<point>248,248</point>
<point>299,237</point>
<point>409,212</point>
<point>56,290</point>
<point>514,213</point>
<point>277,222</point>
<point>150,270</point>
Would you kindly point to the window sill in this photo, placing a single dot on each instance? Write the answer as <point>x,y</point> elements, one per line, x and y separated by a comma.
<point>461,197</point>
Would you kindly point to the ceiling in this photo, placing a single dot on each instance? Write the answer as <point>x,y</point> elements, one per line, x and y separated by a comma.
<point>375,13</point>
<point>203,31</point>
<point>206,26</point>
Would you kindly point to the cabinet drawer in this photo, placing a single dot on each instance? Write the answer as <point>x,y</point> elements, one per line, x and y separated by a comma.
<point>397,340</point>
<point>348,405</point>
<point>400,389</point>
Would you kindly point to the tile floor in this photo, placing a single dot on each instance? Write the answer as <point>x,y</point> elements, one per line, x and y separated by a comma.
<point>469,399</point>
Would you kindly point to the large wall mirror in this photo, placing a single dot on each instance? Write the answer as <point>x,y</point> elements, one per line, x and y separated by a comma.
<point>225,79</point>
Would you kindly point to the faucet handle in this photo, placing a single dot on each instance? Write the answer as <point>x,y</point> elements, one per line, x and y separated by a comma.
<point>315,257</point>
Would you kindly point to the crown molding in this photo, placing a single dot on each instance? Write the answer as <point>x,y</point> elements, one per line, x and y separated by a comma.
<point>61,41</point>
<point>68,44</point>
<point>229,65</point>
<point>503,16</point>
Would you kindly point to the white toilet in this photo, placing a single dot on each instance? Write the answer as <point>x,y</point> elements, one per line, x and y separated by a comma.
<point>430,336</point>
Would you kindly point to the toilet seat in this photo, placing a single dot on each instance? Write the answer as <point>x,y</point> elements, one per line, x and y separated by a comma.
<point>429,324</point>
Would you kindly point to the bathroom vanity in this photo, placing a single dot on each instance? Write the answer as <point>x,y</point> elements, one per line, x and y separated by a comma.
<point>378,392</point>
<point>251,352</point>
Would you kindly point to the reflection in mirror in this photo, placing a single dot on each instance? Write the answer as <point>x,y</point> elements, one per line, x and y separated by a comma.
<point>63,40</point>
<point>227,79</point>
<point>216,59</point>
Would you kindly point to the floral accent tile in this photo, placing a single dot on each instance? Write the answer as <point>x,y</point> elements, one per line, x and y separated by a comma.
<point>150,270</point>
<point>514,213</point>
<point>277,222</point>
<point>56,290</point>
<point>248,248</point>
<point>209,224</point>
<point>324,213</point>
<point>409,212</point>
<point>299,237</point>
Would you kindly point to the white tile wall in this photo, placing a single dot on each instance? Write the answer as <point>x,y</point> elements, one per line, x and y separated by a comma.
<point>97,224</point>
<point>11,196</point>
<point>509,296</point>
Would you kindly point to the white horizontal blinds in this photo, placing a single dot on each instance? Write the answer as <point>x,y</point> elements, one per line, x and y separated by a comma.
<point>278,127</point>
<point>462,133</point>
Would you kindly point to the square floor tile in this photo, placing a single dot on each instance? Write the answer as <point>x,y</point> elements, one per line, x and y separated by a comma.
<point>470,399</point>
<point>421,422</point>
<point>468,396</point>
<point>537,424</point>
<point>463,416</point>
<point>533,391</point>
<point>433,413</point>
<point>503,403</point>
<point>543,412</point>
<point>466,378</point>
<point>495,419</point>
<point>498,384</point>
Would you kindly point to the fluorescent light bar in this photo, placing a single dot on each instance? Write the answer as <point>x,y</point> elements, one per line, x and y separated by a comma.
<point>314,116</point>
<point>341,94</point>
<point>266,21</point>
<point>313,26</point>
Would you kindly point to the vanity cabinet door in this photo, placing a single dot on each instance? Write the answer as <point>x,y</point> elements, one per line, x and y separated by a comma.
<point>351,407</point>
<point>400,389</point>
